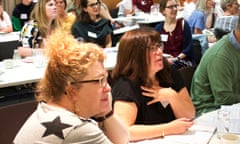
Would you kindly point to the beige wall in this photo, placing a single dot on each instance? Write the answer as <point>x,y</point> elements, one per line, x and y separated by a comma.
<point>8,5</point>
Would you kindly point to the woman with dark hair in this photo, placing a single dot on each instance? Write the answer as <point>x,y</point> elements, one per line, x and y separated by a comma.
<point>177,34</point>
<point>91,27</point>
<point>149,94</point>
<point>74,101</point>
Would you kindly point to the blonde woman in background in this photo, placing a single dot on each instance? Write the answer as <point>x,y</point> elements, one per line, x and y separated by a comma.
<point>43,22</point>
<point>202,18</point>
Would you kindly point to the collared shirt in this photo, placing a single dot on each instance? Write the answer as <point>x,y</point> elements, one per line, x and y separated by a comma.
<point>234,41</point>
<point>226,23</point>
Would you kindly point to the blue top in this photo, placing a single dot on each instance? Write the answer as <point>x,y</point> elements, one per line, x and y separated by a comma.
<point>196,20</point>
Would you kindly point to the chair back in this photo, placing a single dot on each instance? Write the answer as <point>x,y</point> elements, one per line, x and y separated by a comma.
<point>12,119</point>
<point>197,49</point>
<point>6,49</point>
<point>187,74</point>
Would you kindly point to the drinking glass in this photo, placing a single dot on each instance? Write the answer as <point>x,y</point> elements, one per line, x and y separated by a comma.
<point>38,58</point>
<point>154,9</point>
<point>223,117</point>
<point>16,57</point>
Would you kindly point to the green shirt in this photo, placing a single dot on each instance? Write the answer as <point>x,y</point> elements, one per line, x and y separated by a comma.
<point>216,80</point>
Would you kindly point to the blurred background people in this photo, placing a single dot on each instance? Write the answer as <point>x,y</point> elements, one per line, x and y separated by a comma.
<point>176,35</point>
<point>104,11</point>
<point>43,22</point>
<point>73,92</point>
<point>21,14</point>
<point>216,80</point>
<point>91,27</point>
<point>5,21</point>
<point>200,18</point>
<point>229,7</point>
<point>132,7</point>
<point>64,18</point>
<point>188,7</point>
<point>149,94</point>
<point>226,23</point>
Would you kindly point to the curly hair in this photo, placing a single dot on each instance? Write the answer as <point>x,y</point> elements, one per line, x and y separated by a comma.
<point>68,62</point>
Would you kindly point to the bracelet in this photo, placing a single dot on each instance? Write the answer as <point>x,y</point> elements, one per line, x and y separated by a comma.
<point>100,119</point>
<point>163,132</point>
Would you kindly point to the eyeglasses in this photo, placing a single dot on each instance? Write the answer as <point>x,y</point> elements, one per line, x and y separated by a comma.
<point>92,5</point>
<point>172,6</point>
<point>157,46</point>
<point>102,81</point>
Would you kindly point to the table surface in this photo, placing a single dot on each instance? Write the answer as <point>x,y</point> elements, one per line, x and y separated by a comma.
<point>146,18</point>
<point>12,36</point>
<point>202,132</point>
<point>24,73</point>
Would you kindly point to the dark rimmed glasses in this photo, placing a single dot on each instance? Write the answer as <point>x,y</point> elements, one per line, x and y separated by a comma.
<point>92,5</point>
<point>102,81</point>
<point>172,6</point>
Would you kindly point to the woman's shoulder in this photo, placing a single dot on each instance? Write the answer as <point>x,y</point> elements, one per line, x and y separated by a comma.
<point>31,24</point>
<point>5,14</point>
<point>159,26</point>
<point>198,12</point>
<point>125,82</point>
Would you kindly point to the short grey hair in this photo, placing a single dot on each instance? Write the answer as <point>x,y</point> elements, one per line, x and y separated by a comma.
<point>224,3</point>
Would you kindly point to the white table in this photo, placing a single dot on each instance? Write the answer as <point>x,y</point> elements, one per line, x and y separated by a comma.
<point>146,18</point>
<point>202,132</point>
<point>125,29</point>
<point>12,36</point>
<point>26,73</point>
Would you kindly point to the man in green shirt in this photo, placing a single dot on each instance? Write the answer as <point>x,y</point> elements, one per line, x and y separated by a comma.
<point>216,80</point>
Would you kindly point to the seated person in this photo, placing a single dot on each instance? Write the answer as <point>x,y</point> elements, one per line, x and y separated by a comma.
<point>75,5</point>
<point>74,102</point>
<point>202,18</point>
<point>176,35</point>
<point>38,28</point>
<point>149,94</point>
<point>132,7</point>
<point>216,80</point>
<point>64,18</point>
<point>21,14</point>
<point>91,27</point>
<point>5,21</point>
<point>226,23</point>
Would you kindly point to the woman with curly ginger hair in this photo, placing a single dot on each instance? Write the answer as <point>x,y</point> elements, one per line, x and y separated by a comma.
<point>73,96</point>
